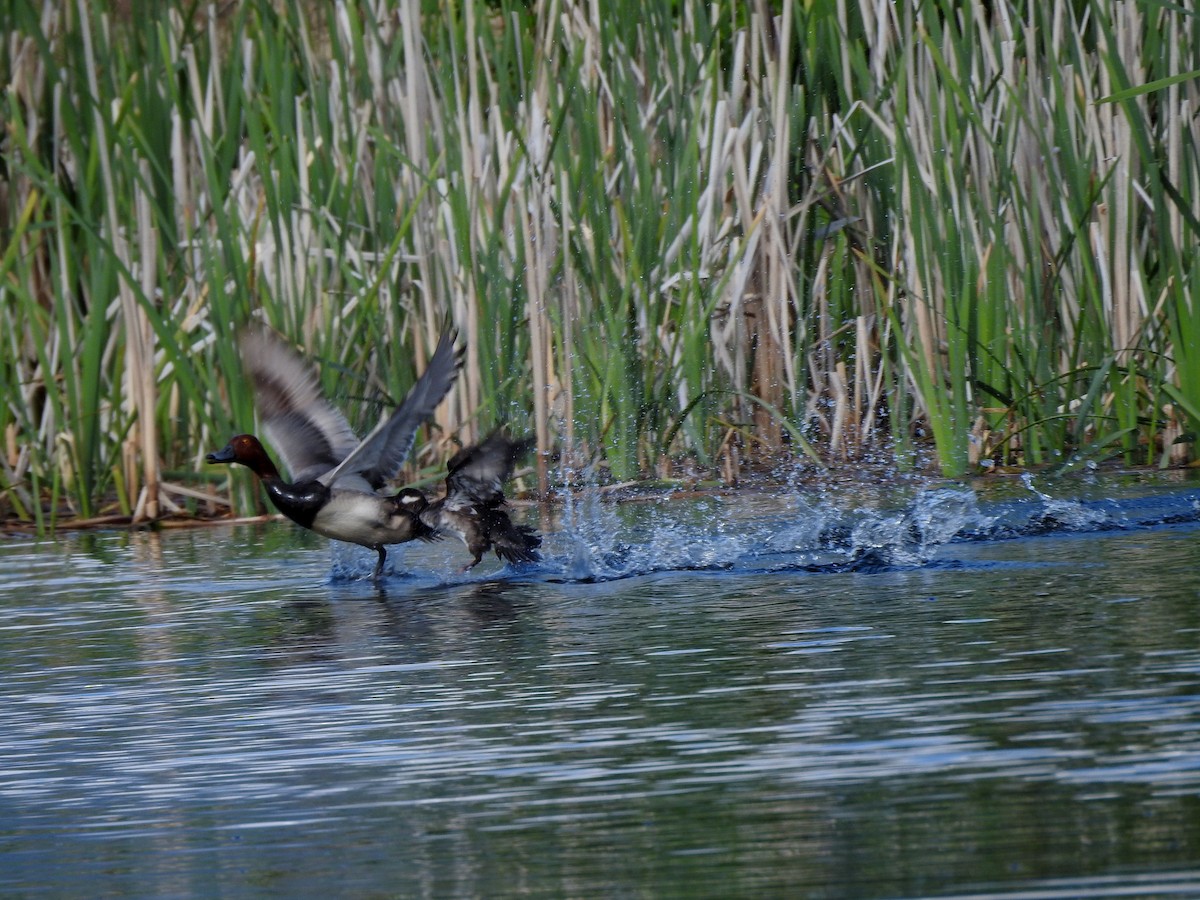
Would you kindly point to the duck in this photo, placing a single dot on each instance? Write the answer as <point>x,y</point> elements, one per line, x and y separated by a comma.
<point>472,507</point>
<point>336,478</point>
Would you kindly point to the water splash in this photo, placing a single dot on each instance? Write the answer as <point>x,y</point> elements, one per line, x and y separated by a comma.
<point>1063,515</point>
<point>601,542</point>
<point>910,537</point>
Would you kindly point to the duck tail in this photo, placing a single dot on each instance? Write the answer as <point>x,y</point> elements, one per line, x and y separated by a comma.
<point>512,543</point>
<point>423,532</point>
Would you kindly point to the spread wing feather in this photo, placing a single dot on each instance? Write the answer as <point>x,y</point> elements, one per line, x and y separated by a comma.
<point>379,457</point>
<point>477,474</point>
<point>310,435</point>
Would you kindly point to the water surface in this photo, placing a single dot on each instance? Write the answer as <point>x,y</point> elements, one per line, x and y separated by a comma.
<point>939,694</point>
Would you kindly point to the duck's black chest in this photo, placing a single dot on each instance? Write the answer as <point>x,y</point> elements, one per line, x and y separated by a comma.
<point>299,502</point>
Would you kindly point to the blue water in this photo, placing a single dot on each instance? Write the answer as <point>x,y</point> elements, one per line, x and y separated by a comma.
<point>956,690</point>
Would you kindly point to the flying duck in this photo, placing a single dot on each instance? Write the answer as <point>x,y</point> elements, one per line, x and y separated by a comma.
<point>336,478</point>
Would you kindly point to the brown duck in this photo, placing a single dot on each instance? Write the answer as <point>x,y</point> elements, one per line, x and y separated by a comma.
<point>473,506</point>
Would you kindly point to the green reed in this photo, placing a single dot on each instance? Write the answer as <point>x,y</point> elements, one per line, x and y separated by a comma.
<point>676,238</point>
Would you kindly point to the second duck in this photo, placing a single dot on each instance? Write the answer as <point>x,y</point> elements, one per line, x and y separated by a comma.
<point>473,506</point>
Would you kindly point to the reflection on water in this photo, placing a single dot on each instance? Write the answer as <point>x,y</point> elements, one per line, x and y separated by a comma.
<point>208,713</point>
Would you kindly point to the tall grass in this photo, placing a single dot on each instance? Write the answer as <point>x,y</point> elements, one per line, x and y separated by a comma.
<point>678,238</point>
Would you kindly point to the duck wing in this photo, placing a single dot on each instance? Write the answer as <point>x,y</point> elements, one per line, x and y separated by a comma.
<point>379,457</point>
<point>310,434</point>
<point>477,474</point>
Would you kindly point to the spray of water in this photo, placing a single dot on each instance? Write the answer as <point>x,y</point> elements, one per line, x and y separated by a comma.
<point>810,530</point>
<point>603,541</point>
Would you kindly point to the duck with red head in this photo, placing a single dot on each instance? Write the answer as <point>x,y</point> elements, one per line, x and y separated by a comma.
<point>336,477</point>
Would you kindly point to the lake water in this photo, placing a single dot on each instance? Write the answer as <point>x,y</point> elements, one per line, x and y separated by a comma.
<point>924,692</point>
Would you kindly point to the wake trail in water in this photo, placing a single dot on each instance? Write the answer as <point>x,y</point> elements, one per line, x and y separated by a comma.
<point>600,543</point>
<point>598,540</point>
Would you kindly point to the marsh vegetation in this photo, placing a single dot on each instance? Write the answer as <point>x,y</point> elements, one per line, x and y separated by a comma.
<point>679,239</point>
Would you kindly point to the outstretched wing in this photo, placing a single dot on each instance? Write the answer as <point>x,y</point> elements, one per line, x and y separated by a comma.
<point>477,474</point>
<point>309,433</point>
<point>379,457</point>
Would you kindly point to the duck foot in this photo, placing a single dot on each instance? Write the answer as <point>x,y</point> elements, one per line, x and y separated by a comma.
<point>379,565</point>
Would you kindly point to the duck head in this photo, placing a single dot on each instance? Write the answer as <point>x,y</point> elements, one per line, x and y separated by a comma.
<point>412,500</point>
<point>247,450</point>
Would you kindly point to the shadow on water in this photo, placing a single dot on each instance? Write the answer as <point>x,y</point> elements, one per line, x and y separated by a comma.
<point>947,693</point>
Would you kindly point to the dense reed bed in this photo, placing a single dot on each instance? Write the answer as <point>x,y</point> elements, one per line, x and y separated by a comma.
<point>678,238</point>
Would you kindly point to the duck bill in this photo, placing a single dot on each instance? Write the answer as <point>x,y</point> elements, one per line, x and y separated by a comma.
<point>225,455</point>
